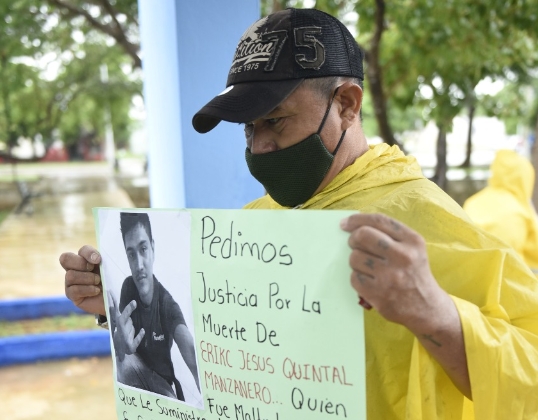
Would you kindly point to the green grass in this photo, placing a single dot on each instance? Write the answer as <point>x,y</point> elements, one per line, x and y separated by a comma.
<point>47,325</point>
<point>8,178</point>
<point>3,214</point>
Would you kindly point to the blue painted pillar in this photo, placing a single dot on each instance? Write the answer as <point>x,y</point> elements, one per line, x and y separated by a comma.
<point>187,49</point>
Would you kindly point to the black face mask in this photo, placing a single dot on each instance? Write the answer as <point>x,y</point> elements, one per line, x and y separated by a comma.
<point>292,175</point>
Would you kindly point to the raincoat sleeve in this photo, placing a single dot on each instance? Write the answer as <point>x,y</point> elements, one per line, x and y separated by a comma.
<point>498,306</point>
<point>496,296</point>
<point>501,342</point>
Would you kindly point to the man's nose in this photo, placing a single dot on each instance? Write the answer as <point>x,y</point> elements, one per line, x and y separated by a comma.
<point>139,263</point>
<point>261,141</point>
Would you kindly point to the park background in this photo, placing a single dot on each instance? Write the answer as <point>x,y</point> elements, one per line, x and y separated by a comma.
<point>449,82</point>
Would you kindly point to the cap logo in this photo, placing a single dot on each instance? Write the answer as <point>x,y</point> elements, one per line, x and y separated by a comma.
<point>305,37</point>
<point>255,48</point>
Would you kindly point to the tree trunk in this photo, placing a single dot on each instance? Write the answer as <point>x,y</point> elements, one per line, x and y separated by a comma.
<point>374,74</point>
<point>278,5</point>
<point>6,104</point>
<point>441,168</point>
<point>467,162</point>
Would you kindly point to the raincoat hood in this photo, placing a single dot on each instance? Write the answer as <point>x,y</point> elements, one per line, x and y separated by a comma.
<point>504,207</point>
<point>513,173</point>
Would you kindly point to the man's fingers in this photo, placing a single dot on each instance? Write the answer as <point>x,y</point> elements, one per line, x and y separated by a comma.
<point>360,280</point>
<point>86,260</point>
<point>77,293</point>
<point>372,241</point>
<point>126,314</point>
<point>112,305</point>
<point>70,261</point>
<point>385,224</point>
<point>73,277</point>
<point>82,280</point>
<point>113,309</point>
<point>366,262</point>
<point>90,254</point>
<point>138,339</point>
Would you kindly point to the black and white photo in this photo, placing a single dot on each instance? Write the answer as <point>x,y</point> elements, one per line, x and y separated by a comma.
<point>149,301</point>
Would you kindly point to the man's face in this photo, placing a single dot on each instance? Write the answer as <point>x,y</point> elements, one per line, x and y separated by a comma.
<point>140,254</point>
<point>295,119</point>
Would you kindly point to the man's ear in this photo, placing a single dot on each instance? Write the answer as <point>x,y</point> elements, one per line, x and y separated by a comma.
<point>153,245</point>
<point>350,98</point>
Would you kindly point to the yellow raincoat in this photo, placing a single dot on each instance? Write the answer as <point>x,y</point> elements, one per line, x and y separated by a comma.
<point>495,293</point>
<point>504,207</point>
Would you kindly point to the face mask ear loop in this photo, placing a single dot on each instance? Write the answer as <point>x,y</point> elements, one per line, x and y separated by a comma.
<point>339,143</point>
<point>327,111</point>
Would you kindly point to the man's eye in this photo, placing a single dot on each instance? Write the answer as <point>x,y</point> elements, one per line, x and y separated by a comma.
<point>272,121</point>
<point>248,128</point>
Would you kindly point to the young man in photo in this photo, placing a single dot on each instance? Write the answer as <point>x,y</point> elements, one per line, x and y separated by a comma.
<point>148,320</point>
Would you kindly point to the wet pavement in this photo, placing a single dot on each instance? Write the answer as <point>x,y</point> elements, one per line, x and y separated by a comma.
<point>79,389</point>
<point>30,243</point>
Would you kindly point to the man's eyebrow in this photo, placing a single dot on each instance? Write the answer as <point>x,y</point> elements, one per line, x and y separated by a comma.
<point>276,109</point>
<point>142,242</point>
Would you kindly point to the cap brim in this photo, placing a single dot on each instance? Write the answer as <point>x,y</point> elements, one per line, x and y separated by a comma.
<point>243,102</point>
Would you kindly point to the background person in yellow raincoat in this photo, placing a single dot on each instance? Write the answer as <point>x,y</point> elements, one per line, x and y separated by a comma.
<point>455,311</point>
<point>504,208</point>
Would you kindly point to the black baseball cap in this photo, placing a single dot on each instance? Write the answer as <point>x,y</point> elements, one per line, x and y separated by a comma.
<point>273,57</point>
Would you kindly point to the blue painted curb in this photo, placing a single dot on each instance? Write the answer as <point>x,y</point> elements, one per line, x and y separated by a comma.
<point>15,309</point>
<point>63,345</point>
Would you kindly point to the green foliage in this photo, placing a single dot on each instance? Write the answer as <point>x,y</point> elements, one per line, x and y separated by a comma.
<point>270,6</point>
<point>50,67</point>
<point>434,53</point>
<point>516,105</point>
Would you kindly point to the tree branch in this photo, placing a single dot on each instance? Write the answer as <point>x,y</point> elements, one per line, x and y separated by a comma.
<point>115,32</point>
<point>112,12</point>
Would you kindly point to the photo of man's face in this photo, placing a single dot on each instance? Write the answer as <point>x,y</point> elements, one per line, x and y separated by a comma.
<point>140,254</point>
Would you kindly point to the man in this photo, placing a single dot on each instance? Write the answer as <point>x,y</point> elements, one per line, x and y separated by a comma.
<point>148,319</point>
<point>465,328</point>
<point>504,208</point>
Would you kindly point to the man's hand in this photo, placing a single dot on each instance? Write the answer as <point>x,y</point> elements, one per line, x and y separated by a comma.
<point>83,280</point>
<point>391,270</point>
<point>123,331</point>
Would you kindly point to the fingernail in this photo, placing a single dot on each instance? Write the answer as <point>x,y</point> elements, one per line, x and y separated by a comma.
<point>97,279</point>
<point>97,290</point>
<point>364,304</point>
<point>89,266</point>
<point>94,257</point>
<point>344,222</point>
